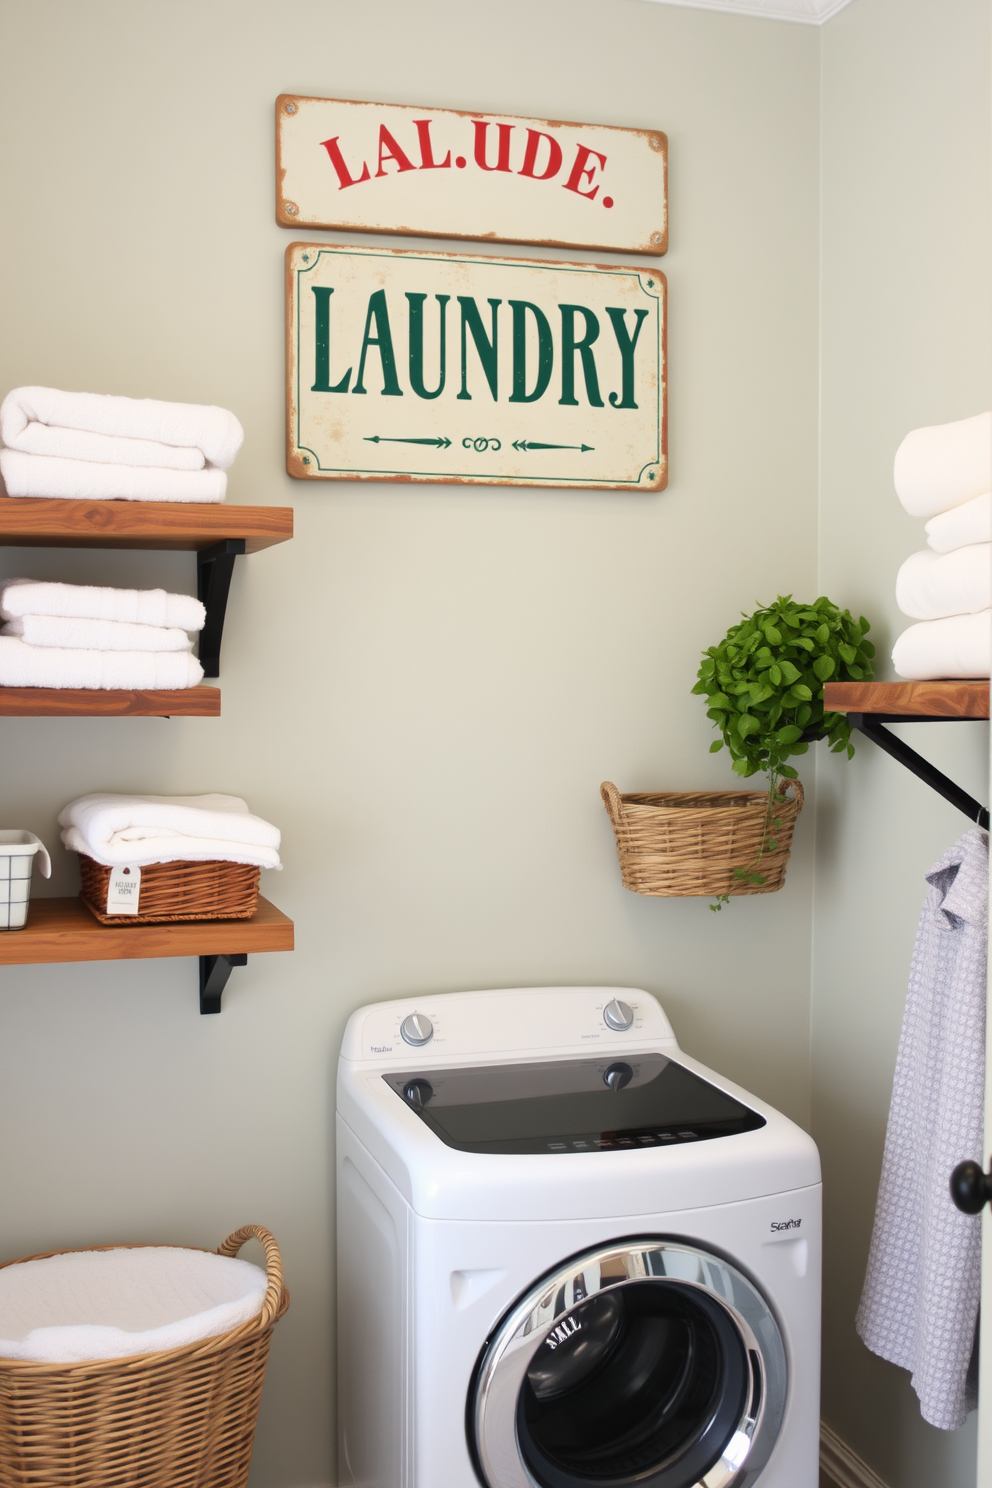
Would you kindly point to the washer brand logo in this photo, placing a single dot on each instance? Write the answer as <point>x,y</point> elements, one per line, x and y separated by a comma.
<point>785,1224</point>
<point>382,1048</point>
<point>563,1331</point>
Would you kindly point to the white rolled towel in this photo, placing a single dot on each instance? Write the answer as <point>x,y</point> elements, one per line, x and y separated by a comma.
<point>108,1304</point>
<point>95,635</point>
<point>116,830</point>
<point>957,646</point>
<point>20,597</point>
<point>115,430</point>
<point>931,585</point>
<point>85,480</point>
<point>944,466</point>
<point>970,523</point>
<point>22,665</point>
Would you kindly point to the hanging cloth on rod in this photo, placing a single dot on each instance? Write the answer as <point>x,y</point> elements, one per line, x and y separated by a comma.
<point>919,1307</point>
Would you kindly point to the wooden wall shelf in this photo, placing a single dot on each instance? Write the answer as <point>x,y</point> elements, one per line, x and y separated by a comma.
<point>181,526</point>
<point>61,930</point>
<point>85,702</point>
<point>871,705</point>
<point>931,700</point>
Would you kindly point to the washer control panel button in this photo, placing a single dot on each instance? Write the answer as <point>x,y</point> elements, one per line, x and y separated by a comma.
<point>417,1029</point>
<point>618,1015</point>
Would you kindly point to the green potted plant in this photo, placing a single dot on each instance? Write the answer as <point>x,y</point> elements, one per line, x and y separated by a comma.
<point>764,689</point>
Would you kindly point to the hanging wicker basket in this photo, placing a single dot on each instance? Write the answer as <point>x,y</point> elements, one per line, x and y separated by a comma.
<point>681,843</point>
<point>181,1419</point>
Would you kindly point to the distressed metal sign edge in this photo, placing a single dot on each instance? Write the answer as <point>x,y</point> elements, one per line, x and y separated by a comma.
<point>291,215</point>
<point>300,459</point>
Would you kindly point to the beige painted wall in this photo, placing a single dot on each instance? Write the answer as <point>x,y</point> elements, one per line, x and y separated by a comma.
<point>425,688</point>
<point>907,340</point>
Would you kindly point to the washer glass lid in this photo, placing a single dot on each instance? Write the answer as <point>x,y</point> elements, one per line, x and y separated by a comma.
<point>572,1105</point>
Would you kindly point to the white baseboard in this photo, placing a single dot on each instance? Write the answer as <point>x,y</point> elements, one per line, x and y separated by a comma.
<point>842,1466</point>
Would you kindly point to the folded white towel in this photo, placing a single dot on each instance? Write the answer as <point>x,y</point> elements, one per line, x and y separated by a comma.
<point>85,480</point>
<point>185,427</point>
<point>108,1304</point>
<point>931,585</point>
<point>105,449</point>
<point>95,635</point>
<point>959,646</point>
<point>962,525</point>
<point>20,597</point>
<point>944,466</point>
<point>166,829</point>
<point>22,665</point>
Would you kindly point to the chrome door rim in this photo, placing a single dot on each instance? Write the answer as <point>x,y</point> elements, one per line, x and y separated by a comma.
<point>509,1351</point>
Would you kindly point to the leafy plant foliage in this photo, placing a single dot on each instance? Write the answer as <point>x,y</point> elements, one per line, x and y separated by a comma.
<point>764,689</point>
<point>764,682</point>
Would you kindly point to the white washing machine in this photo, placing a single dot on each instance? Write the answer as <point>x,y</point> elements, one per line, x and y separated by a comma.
<point>569,1256</point>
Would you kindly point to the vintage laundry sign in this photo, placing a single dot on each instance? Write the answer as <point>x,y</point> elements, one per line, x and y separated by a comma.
<point>387,168</point>
<point>429,366</point>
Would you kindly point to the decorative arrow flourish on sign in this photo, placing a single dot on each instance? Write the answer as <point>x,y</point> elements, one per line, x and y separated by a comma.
<point>525,444</point>
<point>441,443</point>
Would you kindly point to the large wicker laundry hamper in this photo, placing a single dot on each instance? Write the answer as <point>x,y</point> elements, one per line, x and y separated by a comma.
<point>181,1419</point>
<point>680,843</point>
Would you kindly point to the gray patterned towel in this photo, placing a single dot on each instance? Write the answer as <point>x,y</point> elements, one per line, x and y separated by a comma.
<point>919,1306</point>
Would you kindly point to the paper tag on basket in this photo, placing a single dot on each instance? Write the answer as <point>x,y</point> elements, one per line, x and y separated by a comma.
<point>124,890</point>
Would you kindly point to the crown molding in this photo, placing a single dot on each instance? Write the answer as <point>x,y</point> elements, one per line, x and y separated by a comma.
<point>810,12</point>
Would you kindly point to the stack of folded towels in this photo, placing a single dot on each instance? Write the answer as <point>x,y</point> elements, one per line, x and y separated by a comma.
<point>97,447</point>
<point>118,831</point>
<point>75,635</point>
<point>945,473</point>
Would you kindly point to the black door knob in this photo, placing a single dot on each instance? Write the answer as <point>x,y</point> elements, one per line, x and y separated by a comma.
<point>618,1075</point>
<point>971,1189</point>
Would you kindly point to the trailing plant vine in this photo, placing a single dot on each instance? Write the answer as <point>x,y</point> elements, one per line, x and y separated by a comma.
<point>764,689</point>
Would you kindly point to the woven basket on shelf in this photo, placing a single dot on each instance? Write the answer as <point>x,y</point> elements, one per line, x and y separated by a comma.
<point>679,843</point>
<point>181,1419</point>
<point>176,891</point>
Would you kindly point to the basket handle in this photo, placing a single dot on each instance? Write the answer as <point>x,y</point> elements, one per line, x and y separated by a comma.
<point>612,801</point>
<point>273,1266</point>
<point>797,786</point>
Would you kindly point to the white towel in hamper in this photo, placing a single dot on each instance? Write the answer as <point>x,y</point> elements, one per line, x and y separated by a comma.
<point>214,432</point>
<point>115,830</point>
<point>931,585</point>
<point>22,665</point>
<point>108,1304</point>
<point>95,635</point>
<point>87,480</point>
<point>944,465</point>
<point>970,523</point>
<point>958,646</point>
<point>88,602</point>
<point>919,1306</point>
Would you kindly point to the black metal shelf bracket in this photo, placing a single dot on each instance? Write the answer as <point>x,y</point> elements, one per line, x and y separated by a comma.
<point>871,725</point>
<point>214,570</point>
<point>215,972</point>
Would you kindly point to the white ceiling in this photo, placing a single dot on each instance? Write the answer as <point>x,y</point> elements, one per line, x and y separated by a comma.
<point>813,12</point>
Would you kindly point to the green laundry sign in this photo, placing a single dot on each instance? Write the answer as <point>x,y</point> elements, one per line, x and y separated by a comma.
<point>430,366</point>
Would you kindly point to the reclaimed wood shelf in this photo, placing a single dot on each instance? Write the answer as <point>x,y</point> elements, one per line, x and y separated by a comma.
<point>60,930</point>
<point>186,527</point>
<point>871,705</point>
<point>930,700</point>
<point>86,702</point>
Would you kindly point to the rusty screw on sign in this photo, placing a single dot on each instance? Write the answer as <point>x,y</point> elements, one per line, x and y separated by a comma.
<point>654,140</point>
<point>290,208</point>
<point>291,109</point>
<point>657,238</point>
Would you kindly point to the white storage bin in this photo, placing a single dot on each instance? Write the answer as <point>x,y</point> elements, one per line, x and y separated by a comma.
<point>17,854</point>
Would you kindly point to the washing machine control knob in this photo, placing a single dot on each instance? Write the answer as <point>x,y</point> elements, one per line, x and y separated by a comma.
<point>417,1029</point>
<point>618,1015</point>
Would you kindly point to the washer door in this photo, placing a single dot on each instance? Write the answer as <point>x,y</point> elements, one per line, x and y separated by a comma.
<point>649,1362</point>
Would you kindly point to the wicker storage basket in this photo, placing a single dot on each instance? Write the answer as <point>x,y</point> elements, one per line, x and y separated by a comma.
<point>681,843</point>
<point>182,1419</point>
<point>176,891</point>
